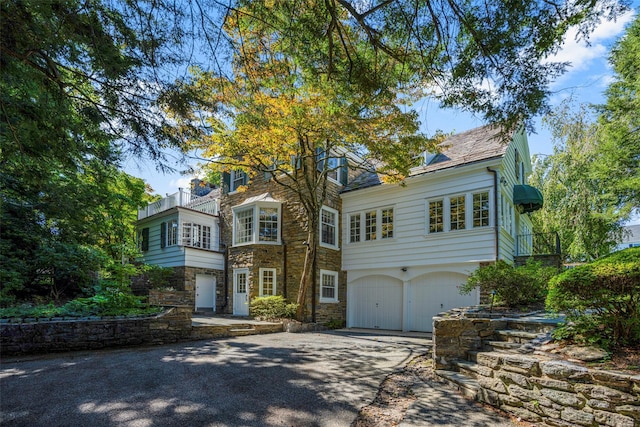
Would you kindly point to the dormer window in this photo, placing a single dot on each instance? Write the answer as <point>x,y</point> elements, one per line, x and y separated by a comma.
<point>238,178</point>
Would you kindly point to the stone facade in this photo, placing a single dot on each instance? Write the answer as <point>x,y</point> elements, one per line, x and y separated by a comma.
<point>288,257</point>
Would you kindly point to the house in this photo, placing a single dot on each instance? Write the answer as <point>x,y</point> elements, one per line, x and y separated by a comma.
<point>389,256</point>
<point>407,249</point>
<point>630,237</point>
<point>182,231</point>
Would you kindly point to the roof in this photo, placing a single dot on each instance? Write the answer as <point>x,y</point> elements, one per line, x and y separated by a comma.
<point>475,145</point>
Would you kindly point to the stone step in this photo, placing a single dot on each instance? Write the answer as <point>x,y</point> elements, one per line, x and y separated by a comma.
<point>502,345</point>
<point>515,336</point>
<point>538,327</point>
<point>467,386</point>
<point>471,369</point>
<point>239,332</point>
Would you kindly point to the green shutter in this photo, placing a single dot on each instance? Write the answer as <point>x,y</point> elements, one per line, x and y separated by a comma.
<point>344,171</point>
<point>145,239</point>
<point>163,234</point>
<point>226,182</point>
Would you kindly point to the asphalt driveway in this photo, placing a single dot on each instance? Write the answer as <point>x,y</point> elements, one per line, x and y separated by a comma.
<point>310,379</point>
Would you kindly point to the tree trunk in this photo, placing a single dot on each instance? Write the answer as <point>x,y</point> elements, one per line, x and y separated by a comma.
<point>307,271</point>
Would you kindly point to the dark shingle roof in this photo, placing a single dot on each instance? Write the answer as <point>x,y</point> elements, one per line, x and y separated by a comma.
<point>472,146</point>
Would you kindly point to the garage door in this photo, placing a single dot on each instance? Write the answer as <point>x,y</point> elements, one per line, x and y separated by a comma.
<point>375,302</point>
<point>432,294</point>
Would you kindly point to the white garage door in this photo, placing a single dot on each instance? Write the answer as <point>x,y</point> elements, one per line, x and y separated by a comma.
<point>432,294</point>
<point>375,302</point>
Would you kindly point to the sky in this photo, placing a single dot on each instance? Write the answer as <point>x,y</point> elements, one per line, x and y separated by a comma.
<point>585,81</point>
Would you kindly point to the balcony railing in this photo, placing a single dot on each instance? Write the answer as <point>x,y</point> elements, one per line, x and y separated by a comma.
<point>538,244</point>
<point>182,198</point>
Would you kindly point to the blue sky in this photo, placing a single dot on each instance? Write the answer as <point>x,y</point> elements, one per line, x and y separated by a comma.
<point>585,81</point>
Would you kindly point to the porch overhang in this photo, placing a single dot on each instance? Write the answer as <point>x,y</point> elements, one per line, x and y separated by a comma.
<point>527,198</point>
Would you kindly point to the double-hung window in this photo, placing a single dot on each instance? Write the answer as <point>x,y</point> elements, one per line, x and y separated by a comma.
<point>172,232</point>
<point>436,216</point>
<point>329,227</point>
<point>370,225</point>
<point>238,179</point>
<point>196,235</point>
<point>459,212</point>
<point>243,226</point>
<point>387,223</point>
<point>354,228</point>
<point>328,286</point>
<point>267,282</point>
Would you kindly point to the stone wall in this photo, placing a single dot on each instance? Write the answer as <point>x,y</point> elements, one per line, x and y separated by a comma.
<point>172,326</point>
<point>536,388</point>
<point>558,393</point>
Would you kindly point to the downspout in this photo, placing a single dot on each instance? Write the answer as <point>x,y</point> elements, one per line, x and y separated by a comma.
<point>225,266</point>
<point>495,210</point>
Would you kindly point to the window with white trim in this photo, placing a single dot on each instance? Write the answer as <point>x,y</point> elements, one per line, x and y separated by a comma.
<point>481,209</point>
<point>329,227</point>
<point>267,282</point>
<point>436,216</point>
<point>238,178</point>
<point>354,228</point>
<point>257,223</point>
<point>328,286</point>
<point>371,225</point>
<point>172,232</point>
<point>196,235</point>
<point>457,213</point>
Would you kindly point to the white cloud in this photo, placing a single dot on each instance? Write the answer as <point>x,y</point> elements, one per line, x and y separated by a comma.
<point>183,182</point>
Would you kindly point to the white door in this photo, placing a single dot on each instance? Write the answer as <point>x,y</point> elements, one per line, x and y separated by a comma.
<point>375,302</point>
<point>205,292</point>
<point>432,294</point>
<point>241,292</point>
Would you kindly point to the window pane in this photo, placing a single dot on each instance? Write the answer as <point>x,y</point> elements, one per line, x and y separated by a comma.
<point>436,216</point>
<point>481,209</point>
<point>244,226</point>
<point>370,225</point>
<point>328,227</point>
<point>457,213</point>
<point>387,223</point>
<point>328,288</point>
<point>268,279</point>
<point>268,225</point>
<point>354,228</point>
<point>241,279</point>
<point>239,178</point>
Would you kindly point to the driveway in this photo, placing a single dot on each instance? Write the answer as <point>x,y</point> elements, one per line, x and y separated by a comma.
<point>310,379</point>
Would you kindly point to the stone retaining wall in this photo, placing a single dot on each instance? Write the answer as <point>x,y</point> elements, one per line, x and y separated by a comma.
<point>558,393</point>
<point>172,326</point>
<point>535,388</point>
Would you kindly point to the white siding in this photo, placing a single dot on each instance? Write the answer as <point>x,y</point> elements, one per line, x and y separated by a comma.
<point>411,244</point>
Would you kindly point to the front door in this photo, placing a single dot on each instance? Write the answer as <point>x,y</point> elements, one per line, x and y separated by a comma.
<point>205,293</point>
<point>240,292</point>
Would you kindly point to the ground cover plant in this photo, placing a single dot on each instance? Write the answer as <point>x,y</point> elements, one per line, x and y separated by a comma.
<point>601,300</point>
<point>511,286</point>
<point>272,307</point>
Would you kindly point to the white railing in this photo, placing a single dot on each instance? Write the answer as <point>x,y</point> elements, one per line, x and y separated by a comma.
<point>182,198</point>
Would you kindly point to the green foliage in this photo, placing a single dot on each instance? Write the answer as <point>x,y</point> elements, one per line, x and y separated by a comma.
<point>158,277</point>
<point>601,299</point>
<point>272,307</point>
<point>334,324</point>
<point>512,286</point>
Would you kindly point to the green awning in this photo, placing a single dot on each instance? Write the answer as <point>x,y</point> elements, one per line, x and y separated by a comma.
<point>527,198</point>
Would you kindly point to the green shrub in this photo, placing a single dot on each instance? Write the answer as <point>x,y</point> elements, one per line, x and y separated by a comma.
<point>272,307</point>
<point>601,300</point>
<point>512,286</point>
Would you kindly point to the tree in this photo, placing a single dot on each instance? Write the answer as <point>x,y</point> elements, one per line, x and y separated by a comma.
<point>579,204</point>
<point>278,117</point>
<point>618,160</point>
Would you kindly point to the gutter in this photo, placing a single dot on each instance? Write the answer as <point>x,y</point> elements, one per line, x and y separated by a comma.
<point>495,209</point>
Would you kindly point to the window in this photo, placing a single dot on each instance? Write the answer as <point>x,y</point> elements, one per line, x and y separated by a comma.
<point>436,216</point>
<point>387,223</point>
<point>243,226</point>
<point>172,233</point>
<point>506,213</point>
<point>376,224</point>
<point>196,235</point>
<point>370,225</point>
<point>457,213</point>
<point>268,224</point>
<point>267,281</point>
<point>481,209</point>
<point>267,217</point>
<point>328,286</point>
<point>354,228</point>
<point>337,167</point>
<point>238,178</point>
<point>328,227</point>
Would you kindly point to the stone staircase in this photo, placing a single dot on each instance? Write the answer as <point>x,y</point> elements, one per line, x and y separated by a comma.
<point>518,337</point>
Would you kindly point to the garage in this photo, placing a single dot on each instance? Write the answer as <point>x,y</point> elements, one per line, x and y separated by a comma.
<point>375,302</point>
<point>434,293</point>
